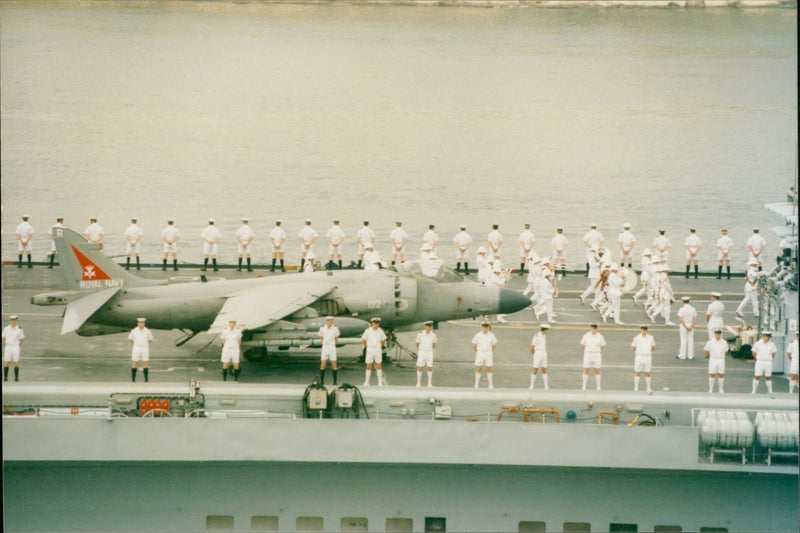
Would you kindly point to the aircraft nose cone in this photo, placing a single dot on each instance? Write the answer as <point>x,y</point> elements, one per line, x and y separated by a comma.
<point>512,301</point>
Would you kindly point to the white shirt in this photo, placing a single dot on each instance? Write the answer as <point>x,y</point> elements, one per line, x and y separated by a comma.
<point>329,335</point>
<point>559,242</point>
<point>592,343</point>
<point>398,236</point>
<point>715,310</point>
<point>170,234</point>
<point>484,341</point>
<point>725,243</point>
<point>372,260</point>
<point>793,350</point>
<point>495,239</point>
<point>763,350</point>
<point>462,239</point>
<point>661,242</point>
<point>307,234</point>
<point>626,239</point>
<point>593,237</point>
<point>24,230</point>
<point>693,242</point>
<point>336,235</point>
<point>141,337</point>
<point>643,345</point>
<point>365,235</point>
<point>527,239</point>
<point>132,234</point>
<point>751,279</point>
<point>94,231</point>
<point>277,235</point>
<point>756,242</point>
<point>245,234</point>
<point>716,348</point>
<point>374,337</point>
<point>430,238</point>
<point>12,336</point>
<point>230,339</point>
<point>425,341</point>
<point>211,234</point>
<point>539,343</point>
<point>687,313</point>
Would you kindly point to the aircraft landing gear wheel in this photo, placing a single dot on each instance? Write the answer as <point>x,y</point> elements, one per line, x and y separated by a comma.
<point>256,355</point>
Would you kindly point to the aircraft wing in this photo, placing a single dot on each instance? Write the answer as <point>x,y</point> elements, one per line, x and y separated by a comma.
<point>78,311</point>
<point>260,307</point>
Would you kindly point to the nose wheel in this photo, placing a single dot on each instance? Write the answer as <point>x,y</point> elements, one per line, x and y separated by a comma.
<point>257,354</point>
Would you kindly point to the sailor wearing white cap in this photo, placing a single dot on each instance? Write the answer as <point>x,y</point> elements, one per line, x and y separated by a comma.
<point>399,238</point>
<point>374,340</point>
<point>756,246</point>
<point>426,341</point>
<point>559,244</point>
<point>140,339</point>
<point>592,238</point>
<point>794,358</point>
<point>534,271</point>
<point>714,315</point>
<point>462,242</point>
<point>430,237</point>
<point>484,343</point>
<point>24,239</point>
<point>687,319</point>
<point>750,287</point>
<point>646,275</point>
<point>277,238</point>
<point>307,237</point>
<point>764,351</point>
<point>661,245</point>
<point>94,231</point>
<point>643,346</point>
<point>716,349</point>
<point>231,338</point>
<point>244,237</point>
<point>539,351</point>
<point>545,290</point>
<point>52,234</point>
<point>593,262</point>
<point>133,235</point>
<point>308,264</point>
<point>329,336</point>
<point>593,345</point>
<point>495,240</point>
<point>626,241</point>
<point>724,247</point>
<point>372,259</point>
<point>613,291</point>
<point>484,268</point>
<point>13,337</point>
<point>336,237</point>
<point>693,245</point>
<point>364,236</point>
<point>526,242</point>
<point>211,236</point>
<point>170,237</point>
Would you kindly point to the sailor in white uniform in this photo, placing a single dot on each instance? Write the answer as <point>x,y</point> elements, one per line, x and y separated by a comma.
<point>545,291</point>
<point>374,340</point>
<point>526,242</point>
<point>593,345</point>
<point>372,259</point>
<point>13,337</point>
<point>592,239</point>
<point>764,351</point>
<point>593,262</point>
<point>756,246</point>
<point>462,242</point>
<point>52,233</point>
<point>495,240</point>
<point>24,239</point>
<point>426,341</point>
<point>687,320</point>
<point>643,346</point>
<point>244,238</point>
<point>430,237</point>
<point>661,245</point>
<point>693,245</point>
<point>484,343</point>
<point>308,264</point>
<point>211,237</point>
<point>364,236</point>
<point>133,236</point>
<point>559,244</point>
<point>140,338</point>
<point>534,272</point>
<point>664,295</point>
<point>716,349</point>
<point>231,338</point>
<point>94,232</point>
<point>170,237</point>
<point>646,276</point>
<point>484,267</point>
<point>724,248</point>
<point>614,295</point>
<point>399,238</point>
<point>750,287</point>
<point>307,237</point>
<point>329,336</point>
<point>336,237</point>
<point>539,351</point>
<point>277,239</point>
<point>626,241</point>
<point>794,358</point>
<point>714,314</point>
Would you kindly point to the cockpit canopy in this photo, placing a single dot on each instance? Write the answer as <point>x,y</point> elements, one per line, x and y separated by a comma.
<point>433,269</point>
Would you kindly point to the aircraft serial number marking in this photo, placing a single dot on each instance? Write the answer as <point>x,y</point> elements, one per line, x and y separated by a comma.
<point>374,304</point>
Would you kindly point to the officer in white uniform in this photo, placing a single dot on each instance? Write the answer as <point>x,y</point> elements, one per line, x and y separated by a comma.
<point>643,346</point>
<point>614,295</point>
<point>13,337</point>
<point>626,241</point>
<point>693,245</point>
<point>364,236</point>
<point>716,349</point>
<point>724,248</point>
<point>593,263</point>
<point>559,244</point>
<point>52,233</point>
<point>94,231</point>
<point>750,287</point>
<point>211,237</point>
<point>399,238</point>
<point>484,267</point>
<point>484,343</point>
<point>374,340</point>
<point>756,246</point>
<point>307,237</point>
<point>592,239</point>
<point>426,341</point>
<point>24,240</point>
<point>539,351</point>
<point>170,237</point>
<point>277,238</point>
<point>133,236</point>
<point>764,351</point>
<point>662,246</point>
<point>329,336</point>
<point>231,338</point>
<point>526,242</point>
<point>462,242</point>
<point>430,237</point>
<point>794,358</point>
<point>647,275</point>
<point>495,240</point>
<point>714,314</point>
<point>372,259</point>
<point>687,319</point>
<point>593,345</point>
<point>244,238</point>
<point>140,339</point>
<point>336,237</point>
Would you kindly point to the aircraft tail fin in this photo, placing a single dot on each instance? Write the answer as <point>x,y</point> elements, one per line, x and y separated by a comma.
<point>84,267</point>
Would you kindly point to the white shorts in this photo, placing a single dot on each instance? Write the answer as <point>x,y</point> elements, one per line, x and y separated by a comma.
<point>558,255</point>
<point>53,247</point>
<point>763,368</point>
<point>401,250</point>
<point>592,360</point>
<point>140,354</point>
<point>484,359</point>
<point>11,353</point>
<point>334,250</point>
<point>132,249</point>
<point>305,248</point>
<point>424,358</point>
<point>461,256</point>
<point>230,356</point>
<point>754,258</point>
<point>689,256</point>
<point>360,250</point>
<point>540,360</point>
<point>523,253</point>
<point>25,247</point>
<point>374,356</point>
<point>328,353</point>
<point>793,366</point>
<point>716,366</point>
<point>209,249</point>
<point>278,249</point>
<point>723,257</point>
<point>170,248</point>
<point>643,363</point>
<point>244,249</point>
<point>661,256</point>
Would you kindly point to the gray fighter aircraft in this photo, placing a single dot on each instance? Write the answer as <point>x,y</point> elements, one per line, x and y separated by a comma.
<point>275,312</point>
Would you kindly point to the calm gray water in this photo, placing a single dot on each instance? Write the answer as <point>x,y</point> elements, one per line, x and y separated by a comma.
<point>557,117</point>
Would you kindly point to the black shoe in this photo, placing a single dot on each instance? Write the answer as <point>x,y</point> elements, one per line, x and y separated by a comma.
<point>239,269</point>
